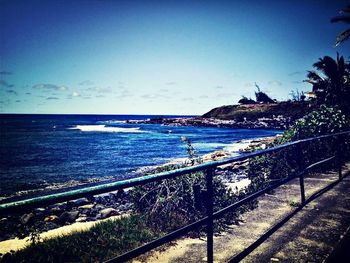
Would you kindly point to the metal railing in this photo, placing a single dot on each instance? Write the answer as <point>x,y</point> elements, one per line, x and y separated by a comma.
<point>209,168</point>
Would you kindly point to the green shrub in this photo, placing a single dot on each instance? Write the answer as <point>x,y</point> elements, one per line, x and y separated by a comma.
<point>172,203</point>
<point>326,120</point>
<point>290,161</point>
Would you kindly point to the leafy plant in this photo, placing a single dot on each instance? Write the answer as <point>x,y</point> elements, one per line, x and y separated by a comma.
<point>290,161</point>
<point>331,82</point>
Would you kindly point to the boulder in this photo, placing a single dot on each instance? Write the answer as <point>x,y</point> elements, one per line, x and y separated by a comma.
<point>51,218</point>
<point>26,218</point>
<point>80,202</point>
<point>81,219</point>
<point>107,212</point>
<point>68,216</point>
<point>88,206</point>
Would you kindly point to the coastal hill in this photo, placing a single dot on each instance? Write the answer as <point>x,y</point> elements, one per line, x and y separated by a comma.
<point>253,112</point>
<point>279,115</point>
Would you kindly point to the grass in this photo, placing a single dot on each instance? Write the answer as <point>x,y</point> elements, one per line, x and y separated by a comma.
<point>101,242</point>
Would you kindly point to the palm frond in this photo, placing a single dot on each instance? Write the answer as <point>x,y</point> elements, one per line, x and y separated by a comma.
<point>313,77</point>
<point>328,66</point>
<point>342,37</point>
<point>346,9</point>
<point>343,19</point>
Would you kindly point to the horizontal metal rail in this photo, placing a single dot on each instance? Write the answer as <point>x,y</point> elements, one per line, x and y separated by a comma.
<point>184,230</point>
<point>104,188</point>
<point>208,220</point>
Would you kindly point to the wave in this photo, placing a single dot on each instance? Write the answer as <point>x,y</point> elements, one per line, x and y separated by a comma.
<point>204,145</point>
<point>103,128</point>
<point>237,146</point>
<point>112,122</point>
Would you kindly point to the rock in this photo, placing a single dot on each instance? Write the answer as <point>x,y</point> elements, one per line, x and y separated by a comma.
<point>68,216</point>
<point>113,196</point>
<point>107,212</point>
<point>88,206</point>
<point>81,219</point>
<point>100,200</point>
<point>56,210</point>
<point>51,218</point>
<point>4,219</point>
<point>39,210</point>
<point>126,207</point>
<point>26,218</point>
<point>80,202</point>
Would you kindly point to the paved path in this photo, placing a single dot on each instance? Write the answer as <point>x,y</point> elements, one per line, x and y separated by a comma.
<point>309,236</point>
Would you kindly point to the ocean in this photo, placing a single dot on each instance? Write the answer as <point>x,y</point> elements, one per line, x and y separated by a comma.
<point>40,151</point>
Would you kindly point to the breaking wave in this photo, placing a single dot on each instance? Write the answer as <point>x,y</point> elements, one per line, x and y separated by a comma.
<point>103,128</point>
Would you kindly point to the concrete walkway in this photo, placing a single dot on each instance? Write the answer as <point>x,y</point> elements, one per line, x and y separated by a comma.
<point>309,236</point>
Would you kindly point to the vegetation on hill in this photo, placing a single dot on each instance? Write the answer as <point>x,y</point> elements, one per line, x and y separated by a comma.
<point>288,109</point>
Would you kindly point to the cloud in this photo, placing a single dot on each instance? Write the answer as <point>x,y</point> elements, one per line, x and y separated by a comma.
<point>163,90</point>
<point>150,96</point>
<point>5,72</point>
<point>5,84</point>
<point>249,85</point>
<point>86,83</point>
<point>101,90</point>
<point>295,73</point>
<point>11,91</point>
<point>226,95</point>
<point>49,87</point>
<point>123,94</point>
<point>75,94</point>
<point>104,90</point>
<point>171,83</point>
<point>155,96</point>
<point>52,98</point>
<point>187,99</point>
<point>275,83</point>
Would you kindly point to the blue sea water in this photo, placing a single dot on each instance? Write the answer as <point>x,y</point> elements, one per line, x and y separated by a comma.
<point>39,150</point>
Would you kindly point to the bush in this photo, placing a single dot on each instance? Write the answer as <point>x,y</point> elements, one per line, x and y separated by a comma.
<point>326,120</point>
<point>172,203</point>
<point>290,161</point>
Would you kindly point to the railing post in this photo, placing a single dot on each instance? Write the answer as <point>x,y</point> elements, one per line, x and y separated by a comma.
<point>301,172</point>
<point>339,156</point>
<point>210,201</point>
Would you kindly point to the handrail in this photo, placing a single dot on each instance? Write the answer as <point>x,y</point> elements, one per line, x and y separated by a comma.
<point>211,215</point>
<point>104,188</point>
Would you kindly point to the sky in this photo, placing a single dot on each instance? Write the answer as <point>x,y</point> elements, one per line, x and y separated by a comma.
<point>158,57</point>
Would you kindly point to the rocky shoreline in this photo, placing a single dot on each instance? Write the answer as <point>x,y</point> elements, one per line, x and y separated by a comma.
<point>274,123</point>
<point>110,204</point>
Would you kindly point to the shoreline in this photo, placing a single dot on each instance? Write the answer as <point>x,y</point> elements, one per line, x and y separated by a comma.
<point>278,122</point>
<point>63,215</point>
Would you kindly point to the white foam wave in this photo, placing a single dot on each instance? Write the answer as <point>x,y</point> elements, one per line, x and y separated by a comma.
<point>112,122</point>
<point>201,145</point>
<point>103,128</point>
<point>237,146</point>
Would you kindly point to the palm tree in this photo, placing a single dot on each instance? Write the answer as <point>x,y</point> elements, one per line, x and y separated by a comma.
<point>345,18</point>
<point>332,84</point>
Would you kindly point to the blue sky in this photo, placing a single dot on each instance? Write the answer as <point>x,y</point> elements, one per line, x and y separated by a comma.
<point>157,57</point>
